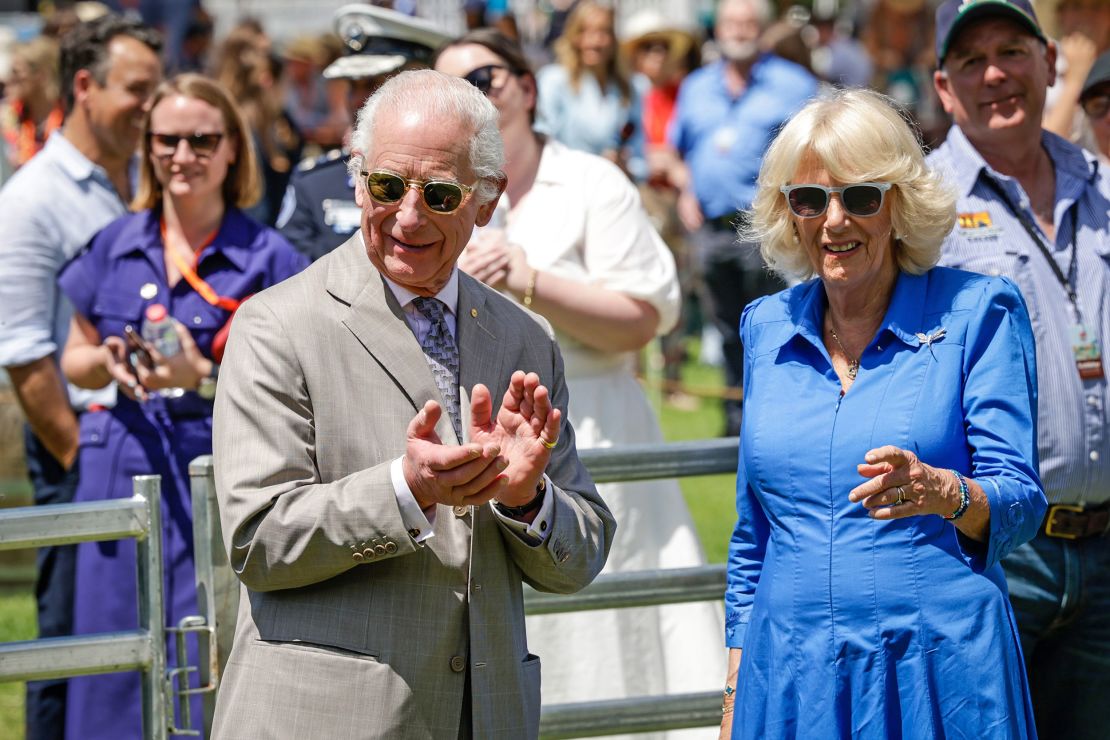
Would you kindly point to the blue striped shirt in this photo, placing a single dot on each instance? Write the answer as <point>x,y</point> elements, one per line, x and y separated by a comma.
<point>1072,432</point>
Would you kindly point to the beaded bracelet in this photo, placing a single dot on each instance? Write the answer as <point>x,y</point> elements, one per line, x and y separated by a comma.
<point>965,498</point>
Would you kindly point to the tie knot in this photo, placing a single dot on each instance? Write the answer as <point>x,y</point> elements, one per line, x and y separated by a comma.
<point>432,308</point>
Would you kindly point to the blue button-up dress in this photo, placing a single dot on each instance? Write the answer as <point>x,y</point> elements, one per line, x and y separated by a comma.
<point>111,282</point>
<point>852,627</point>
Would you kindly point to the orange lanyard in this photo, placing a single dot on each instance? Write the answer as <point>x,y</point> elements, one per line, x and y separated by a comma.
<point>189,272</point>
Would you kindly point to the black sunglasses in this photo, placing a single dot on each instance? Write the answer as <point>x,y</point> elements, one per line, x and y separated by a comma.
<point>203,145</point>
<point>810,201</point>
<point>441,196</point>
<point>487,78</point>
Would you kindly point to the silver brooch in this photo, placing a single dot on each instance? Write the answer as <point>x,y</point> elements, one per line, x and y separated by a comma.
<point>927,339</point>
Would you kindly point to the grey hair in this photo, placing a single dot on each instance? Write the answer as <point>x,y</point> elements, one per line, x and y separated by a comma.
<point>858,136</point>
<point>444,98</point>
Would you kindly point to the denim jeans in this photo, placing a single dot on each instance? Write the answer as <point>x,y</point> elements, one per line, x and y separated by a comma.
<point>51,484</point>
<point>1060,591</point>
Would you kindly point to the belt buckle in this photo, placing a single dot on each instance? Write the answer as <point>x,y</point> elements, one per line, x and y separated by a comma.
<point>1049,522</point>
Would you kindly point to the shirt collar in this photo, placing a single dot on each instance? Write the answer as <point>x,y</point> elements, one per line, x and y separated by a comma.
<point>145,234</point>
<point>967,164</point>
<point>75,164</point>
<point>449,296</point>
<point>903,319</point>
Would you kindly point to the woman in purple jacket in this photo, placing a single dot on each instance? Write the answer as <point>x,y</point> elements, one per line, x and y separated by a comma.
<point>190,249</point>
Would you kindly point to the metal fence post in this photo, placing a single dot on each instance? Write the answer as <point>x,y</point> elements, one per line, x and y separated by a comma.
<point>152,612</point>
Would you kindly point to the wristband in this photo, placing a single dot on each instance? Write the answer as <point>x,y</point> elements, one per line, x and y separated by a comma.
<point>965,498</point>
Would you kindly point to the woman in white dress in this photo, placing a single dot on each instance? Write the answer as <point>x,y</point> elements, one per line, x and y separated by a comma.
<point>576,246</point>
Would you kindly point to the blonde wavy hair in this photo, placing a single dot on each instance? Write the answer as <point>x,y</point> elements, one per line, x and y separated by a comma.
<point>566,48</point>
<point>858,136</point>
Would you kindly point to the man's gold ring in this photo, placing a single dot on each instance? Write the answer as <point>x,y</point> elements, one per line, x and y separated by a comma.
<point>549,445</point>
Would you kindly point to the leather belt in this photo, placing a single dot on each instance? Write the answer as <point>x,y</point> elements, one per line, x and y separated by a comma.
<point>1076,522</point>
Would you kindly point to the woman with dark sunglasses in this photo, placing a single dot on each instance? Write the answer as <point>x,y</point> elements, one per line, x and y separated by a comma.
<point>888,454</point>
<point>578,248</point>
<point>189,252</point>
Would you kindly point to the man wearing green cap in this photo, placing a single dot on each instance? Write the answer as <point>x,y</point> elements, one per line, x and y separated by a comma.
<point>1034,208</point>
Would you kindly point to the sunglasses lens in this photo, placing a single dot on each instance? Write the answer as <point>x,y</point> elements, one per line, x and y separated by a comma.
<point>204,144</point>
<point>863,200</point>
<point>384,187</point>
<point>481,78</point>
<point>808,202</point>
<point>443,197</point>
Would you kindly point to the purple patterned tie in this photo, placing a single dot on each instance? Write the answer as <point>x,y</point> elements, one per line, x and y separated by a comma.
<point>442,355</point>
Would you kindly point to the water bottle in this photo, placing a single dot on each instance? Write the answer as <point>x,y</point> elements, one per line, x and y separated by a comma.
<point>160,333</point>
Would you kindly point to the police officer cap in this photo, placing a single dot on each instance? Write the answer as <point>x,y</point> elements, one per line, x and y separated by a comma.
<point>380,41</point>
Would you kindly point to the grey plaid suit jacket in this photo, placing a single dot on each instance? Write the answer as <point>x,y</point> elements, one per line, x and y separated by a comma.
<point>348,628</point>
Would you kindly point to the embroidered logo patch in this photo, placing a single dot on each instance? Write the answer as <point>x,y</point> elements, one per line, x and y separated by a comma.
<point>976,225</point>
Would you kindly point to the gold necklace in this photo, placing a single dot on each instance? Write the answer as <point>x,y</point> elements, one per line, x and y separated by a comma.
<point>853,363</point>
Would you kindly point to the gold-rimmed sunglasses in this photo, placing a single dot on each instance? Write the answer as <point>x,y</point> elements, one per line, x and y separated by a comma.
<point>440,196</point>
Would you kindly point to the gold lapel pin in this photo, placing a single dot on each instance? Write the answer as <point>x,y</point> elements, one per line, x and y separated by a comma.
<point>474,313</point>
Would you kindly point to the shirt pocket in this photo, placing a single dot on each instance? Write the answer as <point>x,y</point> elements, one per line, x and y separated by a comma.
<point>116,310</point>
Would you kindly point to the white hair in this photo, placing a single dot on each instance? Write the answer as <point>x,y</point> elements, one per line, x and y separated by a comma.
<point>858,136</point>
<point>451,100</point>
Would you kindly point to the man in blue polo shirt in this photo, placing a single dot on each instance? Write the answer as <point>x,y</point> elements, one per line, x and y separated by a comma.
<point>1034,208</point>
<point>726,115</point>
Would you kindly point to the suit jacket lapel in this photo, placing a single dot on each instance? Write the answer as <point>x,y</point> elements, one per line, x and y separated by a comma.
<point>377,321</point>
<point>480,336</point>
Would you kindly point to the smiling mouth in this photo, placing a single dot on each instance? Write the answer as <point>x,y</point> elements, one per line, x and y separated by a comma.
<point>842,248</point>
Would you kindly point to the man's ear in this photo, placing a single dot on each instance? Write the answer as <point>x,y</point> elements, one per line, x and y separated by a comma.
<point>485,211</point>
<point>1050,53</point>
<point>83,81</point>
<point>940,84</point>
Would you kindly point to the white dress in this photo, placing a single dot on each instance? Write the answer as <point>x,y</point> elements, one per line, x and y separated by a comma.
<point>582,220</point>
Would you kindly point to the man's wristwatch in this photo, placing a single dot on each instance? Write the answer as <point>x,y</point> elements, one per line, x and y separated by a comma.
<point>206,389</point>
<point>515,512</point>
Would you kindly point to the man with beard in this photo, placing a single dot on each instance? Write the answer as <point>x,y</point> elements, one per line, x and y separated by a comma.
<point>726,115</point>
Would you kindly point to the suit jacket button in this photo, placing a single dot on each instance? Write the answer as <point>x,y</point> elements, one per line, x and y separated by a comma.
<point>391,547</point>
<point>357,557</point>
<point>460,511</point>
<point>379,549</point>
<point>458,664</point>
<point>369,553</point>
<point>414,533</point>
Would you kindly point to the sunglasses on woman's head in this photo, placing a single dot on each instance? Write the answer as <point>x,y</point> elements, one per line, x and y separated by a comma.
<point>441,196</point>
<point>810,201</point>
<point>203,145</point>
<point>489,77</point>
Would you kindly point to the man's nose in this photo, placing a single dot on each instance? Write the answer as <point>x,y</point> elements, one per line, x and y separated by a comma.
<point>410,210</point>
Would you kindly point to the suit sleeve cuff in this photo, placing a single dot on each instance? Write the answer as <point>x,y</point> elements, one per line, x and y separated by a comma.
<point>536,533</point>
<point>417,521</point>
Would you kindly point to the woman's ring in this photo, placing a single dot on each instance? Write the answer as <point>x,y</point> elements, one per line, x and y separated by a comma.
<point>549,445</point>
<point>901,497</point>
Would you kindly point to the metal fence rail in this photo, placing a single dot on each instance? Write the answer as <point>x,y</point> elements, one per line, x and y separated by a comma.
<point>143,649</point>
<point>218,591</point>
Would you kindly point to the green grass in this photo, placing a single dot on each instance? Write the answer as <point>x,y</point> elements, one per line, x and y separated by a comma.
<point>17,622</point>
<point>710,498</point>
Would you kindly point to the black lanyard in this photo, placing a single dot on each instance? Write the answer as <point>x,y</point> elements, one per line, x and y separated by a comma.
<point>1035,235</point>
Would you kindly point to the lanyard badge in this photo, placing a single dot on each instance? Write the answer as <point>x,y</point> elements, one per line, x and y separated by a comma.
<point>1088,353</point>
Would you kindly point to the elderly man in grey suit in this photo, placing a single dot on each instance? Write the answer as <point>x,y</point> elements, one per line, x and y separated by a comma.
<point>380,512</point>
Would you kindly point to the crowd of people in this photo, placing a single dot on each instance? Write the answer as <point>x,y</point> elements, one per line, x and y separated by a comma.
<point>396,278</point>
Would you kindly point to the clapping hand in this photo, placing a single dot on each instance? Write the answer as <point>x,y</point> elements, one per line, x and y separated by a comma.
<point>525,429</point>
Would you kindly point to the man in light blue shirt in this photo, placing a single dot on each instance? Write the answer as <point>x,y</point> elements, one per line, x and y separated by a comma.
<point>50,208</point>
<point>1034,208</point>
<point>725,117</point>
